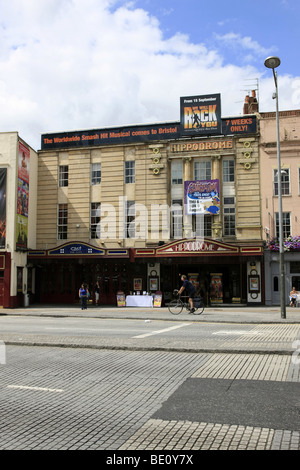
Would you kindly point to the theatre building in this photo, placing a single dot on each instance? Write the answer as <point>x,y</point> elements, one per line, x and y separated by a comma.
<point>134,207</point>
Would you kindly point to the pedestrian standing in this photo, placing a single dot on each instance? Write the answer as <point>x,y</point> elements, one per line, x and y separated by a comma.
<point>97,292</point>
<point>83,295</point>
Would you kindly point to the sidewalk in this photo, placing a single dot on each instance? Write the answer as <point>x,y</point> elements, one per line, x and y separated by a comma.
<point>212,314</point>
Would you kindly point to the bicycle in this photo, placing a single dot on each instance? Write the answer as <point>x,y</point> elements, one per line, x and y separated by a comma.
<point>177,305</point>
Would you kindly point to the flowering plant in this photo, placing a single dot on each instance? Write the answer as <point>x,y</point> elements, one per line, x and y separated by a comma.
<point>289,244</point>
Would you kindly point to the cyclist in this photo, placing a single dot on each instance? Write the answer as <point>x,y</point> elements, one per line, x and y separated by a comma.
<point>190,290</point>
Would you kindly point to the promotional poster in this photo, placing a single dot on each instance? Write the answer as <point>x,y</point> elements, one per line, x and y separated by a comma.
<point>2,207</point>
<point>23,197</point>
<point>200,115</point>
<point>202,197</point>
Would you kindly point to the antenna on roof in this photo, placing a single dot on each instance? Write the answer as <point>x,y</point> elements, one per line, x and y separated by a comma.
<point>253,86</point>
<point>252,98</point>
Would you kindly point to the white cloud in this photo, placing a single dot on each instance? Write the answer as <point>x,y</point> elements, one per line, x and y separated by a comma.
<point>73,64</point>
<point>246,43</point>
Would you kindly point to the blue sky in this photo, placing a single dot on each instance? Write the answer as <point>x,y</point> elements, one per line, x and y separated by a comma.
<point>241,31</point>
<point>83,64</point>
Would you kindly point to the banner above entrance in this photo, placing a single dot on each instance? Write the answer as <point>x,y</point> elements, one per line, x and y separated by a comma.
<point>194,246</point>
<point>188,246</point>
<point>77,249</point>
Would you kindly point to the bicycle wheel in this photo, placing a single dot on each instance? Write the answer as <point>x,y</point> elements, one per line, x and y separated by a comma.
<point>175,307</point>
<point>199,310</point>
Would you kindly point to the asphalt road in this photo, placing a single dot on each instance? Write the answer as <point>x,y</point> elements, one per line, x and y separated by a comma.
<point>145,334</point>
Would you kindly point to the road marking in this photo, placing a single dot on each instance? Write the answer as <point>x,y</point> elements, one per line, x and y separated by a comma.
<point>236,332</point>
<point>42,389</point>
<point>158,332</point>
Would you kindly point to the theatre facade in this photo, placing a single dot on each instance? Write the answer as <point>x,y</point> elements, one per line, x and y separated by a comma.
<point>134,207</point>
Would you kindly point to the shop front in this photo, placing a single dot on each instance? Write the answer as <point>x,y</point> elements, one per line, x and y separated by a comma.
<point>222,273</point>
<point>59,273</point>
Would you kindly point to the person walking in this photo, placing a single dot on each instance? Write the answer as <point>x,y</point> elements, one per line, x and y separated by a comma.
<point>190,290</point>
<point>83,295</point>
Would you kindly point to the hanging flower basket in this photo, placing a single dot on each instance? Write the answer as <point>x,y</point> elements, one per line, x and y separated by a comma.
<point>289,244</point>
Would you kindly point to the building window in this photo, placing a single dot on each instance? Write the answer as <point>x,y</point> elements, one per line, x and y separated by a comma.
<point>176,218</point>
<point>295,267</point>
<point>202,170</point>
<point>177,172</point>
<point>130,172</point>
<point>96,173</point>
<point>129,219</point>
<point>286,224</point>
<point>95,219</point>
<point>229,216</point>
<point>285,182</point>
<point>207,225</point>
<point>228,171</point>
<point>62,222</point>
<point>296,282</point>
<point>63,176</point>
<point>202,225</point>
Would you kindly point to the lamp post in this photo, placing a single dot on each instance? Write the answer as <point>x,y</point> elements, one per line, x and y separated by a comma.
<point>272,63</point>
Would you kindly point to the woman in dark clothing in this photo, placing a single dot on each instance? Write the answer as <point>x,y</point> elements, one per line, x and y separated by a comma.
<point>83,295</point>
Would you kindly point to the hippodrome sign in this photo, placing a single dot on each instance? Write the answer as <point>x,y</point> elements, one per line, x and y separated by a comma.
<point>201,146</point>
<point>201,246</point>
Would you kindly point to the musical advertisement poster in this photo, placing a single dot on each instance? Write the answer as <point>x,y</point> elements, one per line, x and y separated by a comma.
<point>202,197</point>
<point>23,197</point>
<point>2,207</point>
<point>201,115</point>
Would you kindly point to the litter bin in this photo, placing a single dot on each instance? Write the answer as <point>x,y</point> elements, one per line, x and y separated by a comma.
<point>26,300</point>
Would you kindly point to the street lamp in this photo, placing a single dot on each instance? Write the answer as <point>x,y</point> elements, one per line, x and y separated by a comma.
<point>273,63</point>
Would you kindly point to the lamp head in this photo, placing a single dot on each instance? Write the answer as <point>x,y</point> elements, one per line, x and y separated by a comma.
<point>272,62</point>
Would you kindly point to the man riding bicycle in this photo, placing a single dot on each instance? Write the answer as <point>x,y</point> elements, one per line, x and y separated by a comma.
<point>190,290</point>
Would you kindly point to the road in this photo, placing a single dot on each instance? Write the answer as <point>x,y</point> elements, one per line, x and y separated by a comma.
<point>131,384</point>
<point>187,334</point>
